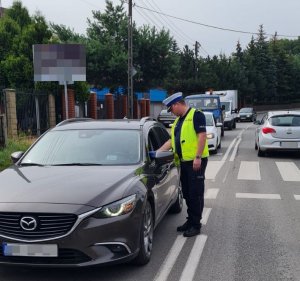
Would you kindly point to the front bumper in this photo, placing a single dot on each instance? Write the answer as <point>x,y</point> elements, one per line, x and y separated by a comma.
<point>93,242</point>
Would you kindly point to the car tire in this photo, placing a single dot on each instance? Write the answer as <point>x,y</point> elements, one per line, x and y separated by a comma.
<point>178,204</point>
<point>255,146</point>
<point>234,125</point>
<point>146,237</point>
<point>222,131</point>
<point>219,146</point>
<point>260,153</point>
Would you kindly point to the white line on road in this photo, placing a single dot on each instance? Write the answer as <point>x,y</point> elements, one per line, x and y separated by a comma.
<point>249,170</point>
<point>235,150</point>
<point>211,193</point>
<point>194,258</point>
<point>228,150</point>
<point>205,215</point>
<point>170,260</point>
<point>212,169</point>
<point>297,197</point>
<point>288,171</point>
<point>257,196</point>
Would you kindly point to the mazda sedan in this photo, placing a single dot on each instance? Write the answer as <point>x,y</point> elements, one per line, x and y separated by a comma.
<point>278,131</point>
<point>87,192</point>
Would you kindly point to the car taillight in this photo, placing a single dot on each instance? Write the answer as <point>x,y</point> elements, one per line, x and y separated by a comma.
<point>267,130</point>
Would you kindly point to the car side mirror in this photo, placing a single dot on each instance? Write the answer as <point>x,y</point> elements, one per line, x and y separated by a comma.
<point>162,157</point>
<point>16,156</point>
<point>257,122</point>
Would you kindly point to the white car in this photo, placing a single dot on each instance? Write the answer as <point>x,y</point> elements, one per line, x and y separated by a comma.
<point>213,132</point>
<point>278,130</point>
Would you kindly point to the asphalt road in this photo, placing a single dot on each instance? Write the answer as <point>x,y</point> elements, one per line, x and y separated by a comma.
<point>251,225</point>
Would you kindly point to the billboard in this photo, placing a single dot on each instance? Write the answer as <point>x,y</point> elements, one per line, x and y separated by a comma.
<point>59,62</point>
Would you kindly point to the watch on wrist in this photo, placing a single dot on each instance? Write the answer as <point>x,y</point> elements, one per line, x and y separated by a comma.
<point>198,156</point>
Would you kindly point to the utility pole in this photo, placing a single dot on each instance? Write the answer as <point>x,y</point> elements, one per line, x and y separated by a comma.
<point>197,45</point>
<point>130,64</point>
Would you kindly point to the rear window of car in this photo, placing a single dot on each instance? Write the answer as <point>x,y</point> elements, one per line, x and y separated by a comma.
<point>285,120</point>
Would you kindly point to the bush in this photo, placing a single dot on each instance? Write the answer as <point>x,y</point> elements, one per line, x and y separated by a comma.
<point>13,145</point>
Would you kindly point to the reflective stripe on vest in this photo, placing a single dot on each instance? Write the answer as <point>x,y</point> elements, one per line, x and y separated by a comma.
<point>188,138</point>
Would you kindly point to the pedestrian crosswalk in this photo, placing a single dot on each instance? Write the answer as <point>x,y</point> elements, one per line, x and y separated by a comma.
<point>287,171</point>
<point>251,170</point>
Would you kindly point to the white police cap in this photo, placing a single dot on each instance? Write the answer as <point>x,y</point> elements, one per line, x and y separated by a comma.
<point>169,101</point>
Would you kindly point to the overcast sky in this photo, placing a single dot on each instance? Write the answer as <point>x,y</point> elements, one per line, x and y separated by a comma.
<point>240,15</point>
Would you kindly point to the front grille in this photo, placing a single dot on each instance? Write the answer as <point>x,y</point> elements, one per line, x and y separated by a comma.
<point>48,225</point>
<point>65,256</point>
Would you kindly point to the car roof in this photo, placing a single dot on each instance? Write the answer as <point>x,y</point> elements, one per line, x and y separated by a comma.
<point>208,113</point>
<point>283,112</point>
<point>87,123</point>
<point>201,96</point>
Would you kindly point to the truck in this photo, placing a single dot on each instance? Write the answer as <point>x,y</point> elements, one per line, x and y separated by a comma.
<point>209,103</point>
<point>229,100</point>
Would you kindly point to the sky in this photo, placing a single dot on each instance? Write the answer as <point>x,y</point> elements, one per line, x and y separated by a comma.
<point>187,20</point>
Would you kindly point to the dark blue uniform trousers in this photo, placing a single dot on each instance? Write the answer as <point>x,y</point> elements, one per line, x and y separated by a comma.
<point>192,183</point>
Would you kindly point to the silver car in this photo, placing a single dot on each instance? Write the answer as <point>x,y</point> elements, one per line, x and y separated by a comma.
<point>278,131</point>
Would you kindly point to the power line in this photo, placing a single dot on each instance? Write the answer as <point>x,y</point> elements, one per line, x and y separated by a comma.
<point>212,26</point>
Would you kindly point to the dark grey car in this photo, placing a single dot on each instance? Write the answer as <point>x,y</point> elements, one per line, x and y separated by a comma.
<point>247,114</point>
<point>87,193</point>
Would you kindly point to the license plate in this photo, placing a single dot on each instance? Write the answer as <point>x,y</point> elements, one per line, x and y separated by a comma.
<point>289,144</point>
<point>30,250</point>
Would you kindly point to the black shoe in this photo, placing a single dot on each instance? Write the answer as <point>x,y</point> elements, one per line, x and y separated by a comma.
<point>191,231</point>
<point>183,227</point>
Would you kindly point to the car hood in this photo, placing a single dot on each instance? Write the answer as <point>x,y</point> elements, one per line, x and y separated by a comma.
<point>91,185</point>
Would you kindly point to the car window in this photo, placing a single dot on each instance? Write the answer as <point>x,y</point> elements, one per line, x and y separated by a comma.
<point>157,137</point>
<point>99,147</point>
<point>285,120</point>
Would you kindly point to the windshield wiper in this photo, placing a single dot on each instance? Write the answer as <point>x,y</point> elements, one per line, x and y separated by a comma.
<point>31,164</point>
<point>77,164</point>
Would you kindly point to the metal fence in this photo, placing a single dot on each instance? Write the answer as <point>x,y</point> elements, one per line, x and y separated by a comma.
<point>32,112</point>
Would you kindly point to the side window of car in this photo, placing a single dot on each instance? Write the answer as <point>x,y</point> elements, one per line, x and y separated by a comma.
<point>153,142</point>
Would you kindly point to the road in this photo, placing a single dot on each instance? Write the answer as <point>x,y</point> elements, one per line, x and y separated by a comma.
<point>251,226</point>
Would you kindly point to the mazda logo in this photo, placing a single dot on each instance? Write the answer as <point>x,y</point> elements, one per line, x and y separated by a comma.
<point>28,223</point>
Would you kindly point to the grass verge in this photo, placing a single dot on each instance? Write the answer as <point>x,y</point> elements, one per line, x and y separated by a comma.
<point>13,145</point>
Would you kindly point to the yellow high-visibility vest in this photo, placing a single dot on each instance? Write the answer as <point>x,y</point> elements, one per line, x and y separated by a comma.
<point>188,138</point>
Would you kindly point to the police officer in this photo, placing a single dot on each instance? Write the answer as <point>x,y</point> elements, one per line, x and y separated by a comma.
<point>188,141</point>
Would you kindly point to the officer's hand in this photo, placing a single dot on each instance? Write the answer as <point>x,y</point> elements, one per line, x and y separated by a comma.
<point>197,164</point>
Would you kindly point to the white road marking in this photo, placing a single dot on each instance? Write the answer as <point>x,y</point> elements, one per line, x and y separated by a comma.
<point>297,197</point>
<point>235,150</point>
<point>288,171</point>
<point>194,258</point>
<point>228,150</point>
<point>211,193</point>
<point>205,215</point>
<point>249,170</point>
<point>212,169</point>
<point>170,260</point>
<point>257,196</point>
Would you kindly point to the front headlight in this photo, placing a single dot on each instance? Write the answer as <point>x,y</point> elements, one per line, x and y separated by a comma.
<point>210,136</point>
<point>118,208</point>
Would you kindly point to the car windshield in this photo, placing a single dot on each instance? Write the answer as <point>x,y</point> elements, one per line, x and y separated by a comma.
<point>285,120</point>
<point>246,110</point>
<point>209,120</point>
<point>86,147</point>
